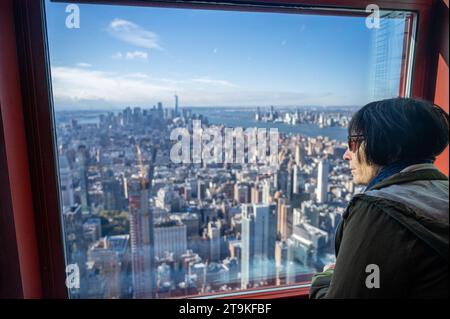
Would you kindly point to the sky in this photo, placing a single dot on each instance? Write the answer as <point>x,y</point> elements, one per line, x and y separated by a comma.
<point>131,56</point>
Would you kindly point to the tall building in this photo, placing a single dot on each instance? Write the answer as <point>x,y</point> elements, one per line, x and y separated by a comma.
<point>266,198</point>
<point>290,181</point>
<point>65,176</point>
<point>141,233</point>
<point>299,159</point>
<point>170,236</point>
<point>82,158</point>
<point>201,190</point>
<point>176,106</point>
<point>281,260</point>
<point>242,193</point>
<point>257,194</point>
<point>259,230</point>
<point>285,219</point>
<point>295,179</point>
<point>322,181</point>
<point>214,241</point>
<point>113,192</point>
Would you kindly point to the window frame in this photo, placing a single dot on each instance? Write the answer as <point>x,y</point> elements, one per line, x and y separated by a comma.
<point>38,127</point>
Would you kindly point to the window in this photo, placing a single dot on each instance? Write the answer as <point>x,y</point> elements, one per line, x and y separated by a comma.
<point>131,85</point>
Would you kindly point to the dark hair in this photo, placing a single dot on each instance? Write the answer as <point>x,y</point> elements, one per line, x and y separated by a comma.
<point>401,129</point>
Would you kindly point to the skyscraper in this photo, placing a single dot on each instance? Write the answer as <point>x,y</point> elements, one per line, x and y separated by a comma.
<point>141,233</point>
<point>259,230</point>
<point>299,160</point>
<point>170,236</point>
<point>82,158</point>
<point>214,241</point>
<point>65,176</point>
<point>295,179</point>
<point>322,181</point>
<point>176,106</point>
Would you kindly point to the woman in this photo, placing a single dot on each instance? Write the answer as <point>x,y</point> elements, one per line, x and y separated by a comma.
<point>393,238</point>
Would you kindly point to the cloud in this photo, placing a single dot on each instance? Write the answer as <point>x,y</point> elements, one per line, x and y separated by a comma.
<point>206,80</point>
<point>137,76</point>
<point>132,33</point>
<point>131,55</point>
<point>77,87</point>
<point>84,65</point>
<point>136,55</point>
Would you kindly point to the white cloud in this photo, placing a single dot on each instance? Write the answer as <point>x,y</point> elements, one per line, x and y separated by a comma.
<point>136,55</point>
<point>137,75</point>
<point>206,80</point>
<point>131,55</point>
<point>84,65</point>
<point>77,85</point>
<point>81,87</point>
<point>132,33</point>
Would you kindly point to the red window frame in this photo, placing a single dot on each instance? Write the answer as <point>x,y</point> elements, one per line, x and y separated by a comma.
<point>30,227</point>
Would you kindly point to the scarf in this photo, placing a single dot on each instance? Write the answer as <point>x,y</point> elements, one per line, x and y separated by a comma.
<point>394,168</point>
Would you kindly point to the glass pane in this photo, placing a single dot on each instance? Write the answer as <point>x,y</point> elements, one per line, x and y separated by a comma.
<point>166,187</point>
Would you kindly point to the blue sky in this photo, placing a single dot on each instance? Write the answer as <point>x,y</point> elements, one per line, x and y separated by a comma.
<point>124,56</point>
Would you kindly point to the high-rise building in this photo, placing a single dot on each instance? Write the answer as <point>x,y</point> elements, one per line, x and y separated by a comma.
<point>65,175</point>
<point>266,198</point>
<point>295,179</point>
<point>141,233</point>
<point>214,241</point>
<point>82,158</point>
<point>290,181</point>
<point>285,219</point>
<point>242,193</point>
<point>259,230</point>
<point>257,194</point>
<point>299,159</point>
<point>201,190</point>
<point>170,236</point>
<point>322,181</point>
<point>176,106</point>
<point>113,192</point>
<point>281,260</point>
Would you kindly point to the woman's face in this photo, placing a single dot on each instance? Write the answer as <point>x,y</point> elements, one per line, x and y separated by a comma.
<point>362,172</point>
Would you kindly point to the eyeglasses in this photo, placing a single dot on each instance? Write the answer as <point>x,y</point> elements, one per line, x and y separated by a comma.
<point>354,141</point>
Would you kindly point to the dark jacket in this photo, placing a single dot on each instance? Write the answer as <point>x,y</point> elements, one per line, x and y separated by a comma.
<point>401,225</point>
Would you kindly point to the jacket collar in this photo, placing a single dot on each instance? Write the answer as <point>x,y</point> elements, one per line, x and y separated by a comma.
<point>409,176</point>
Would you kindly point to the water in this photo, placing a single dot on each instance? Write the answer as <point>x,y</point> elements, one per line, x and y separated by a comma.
<point>228,117</point>
<point>245,118</point>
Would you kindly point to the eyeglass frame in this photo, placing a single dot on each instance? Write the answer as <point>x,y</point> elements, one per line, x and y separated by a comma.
<point>352,141</point>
